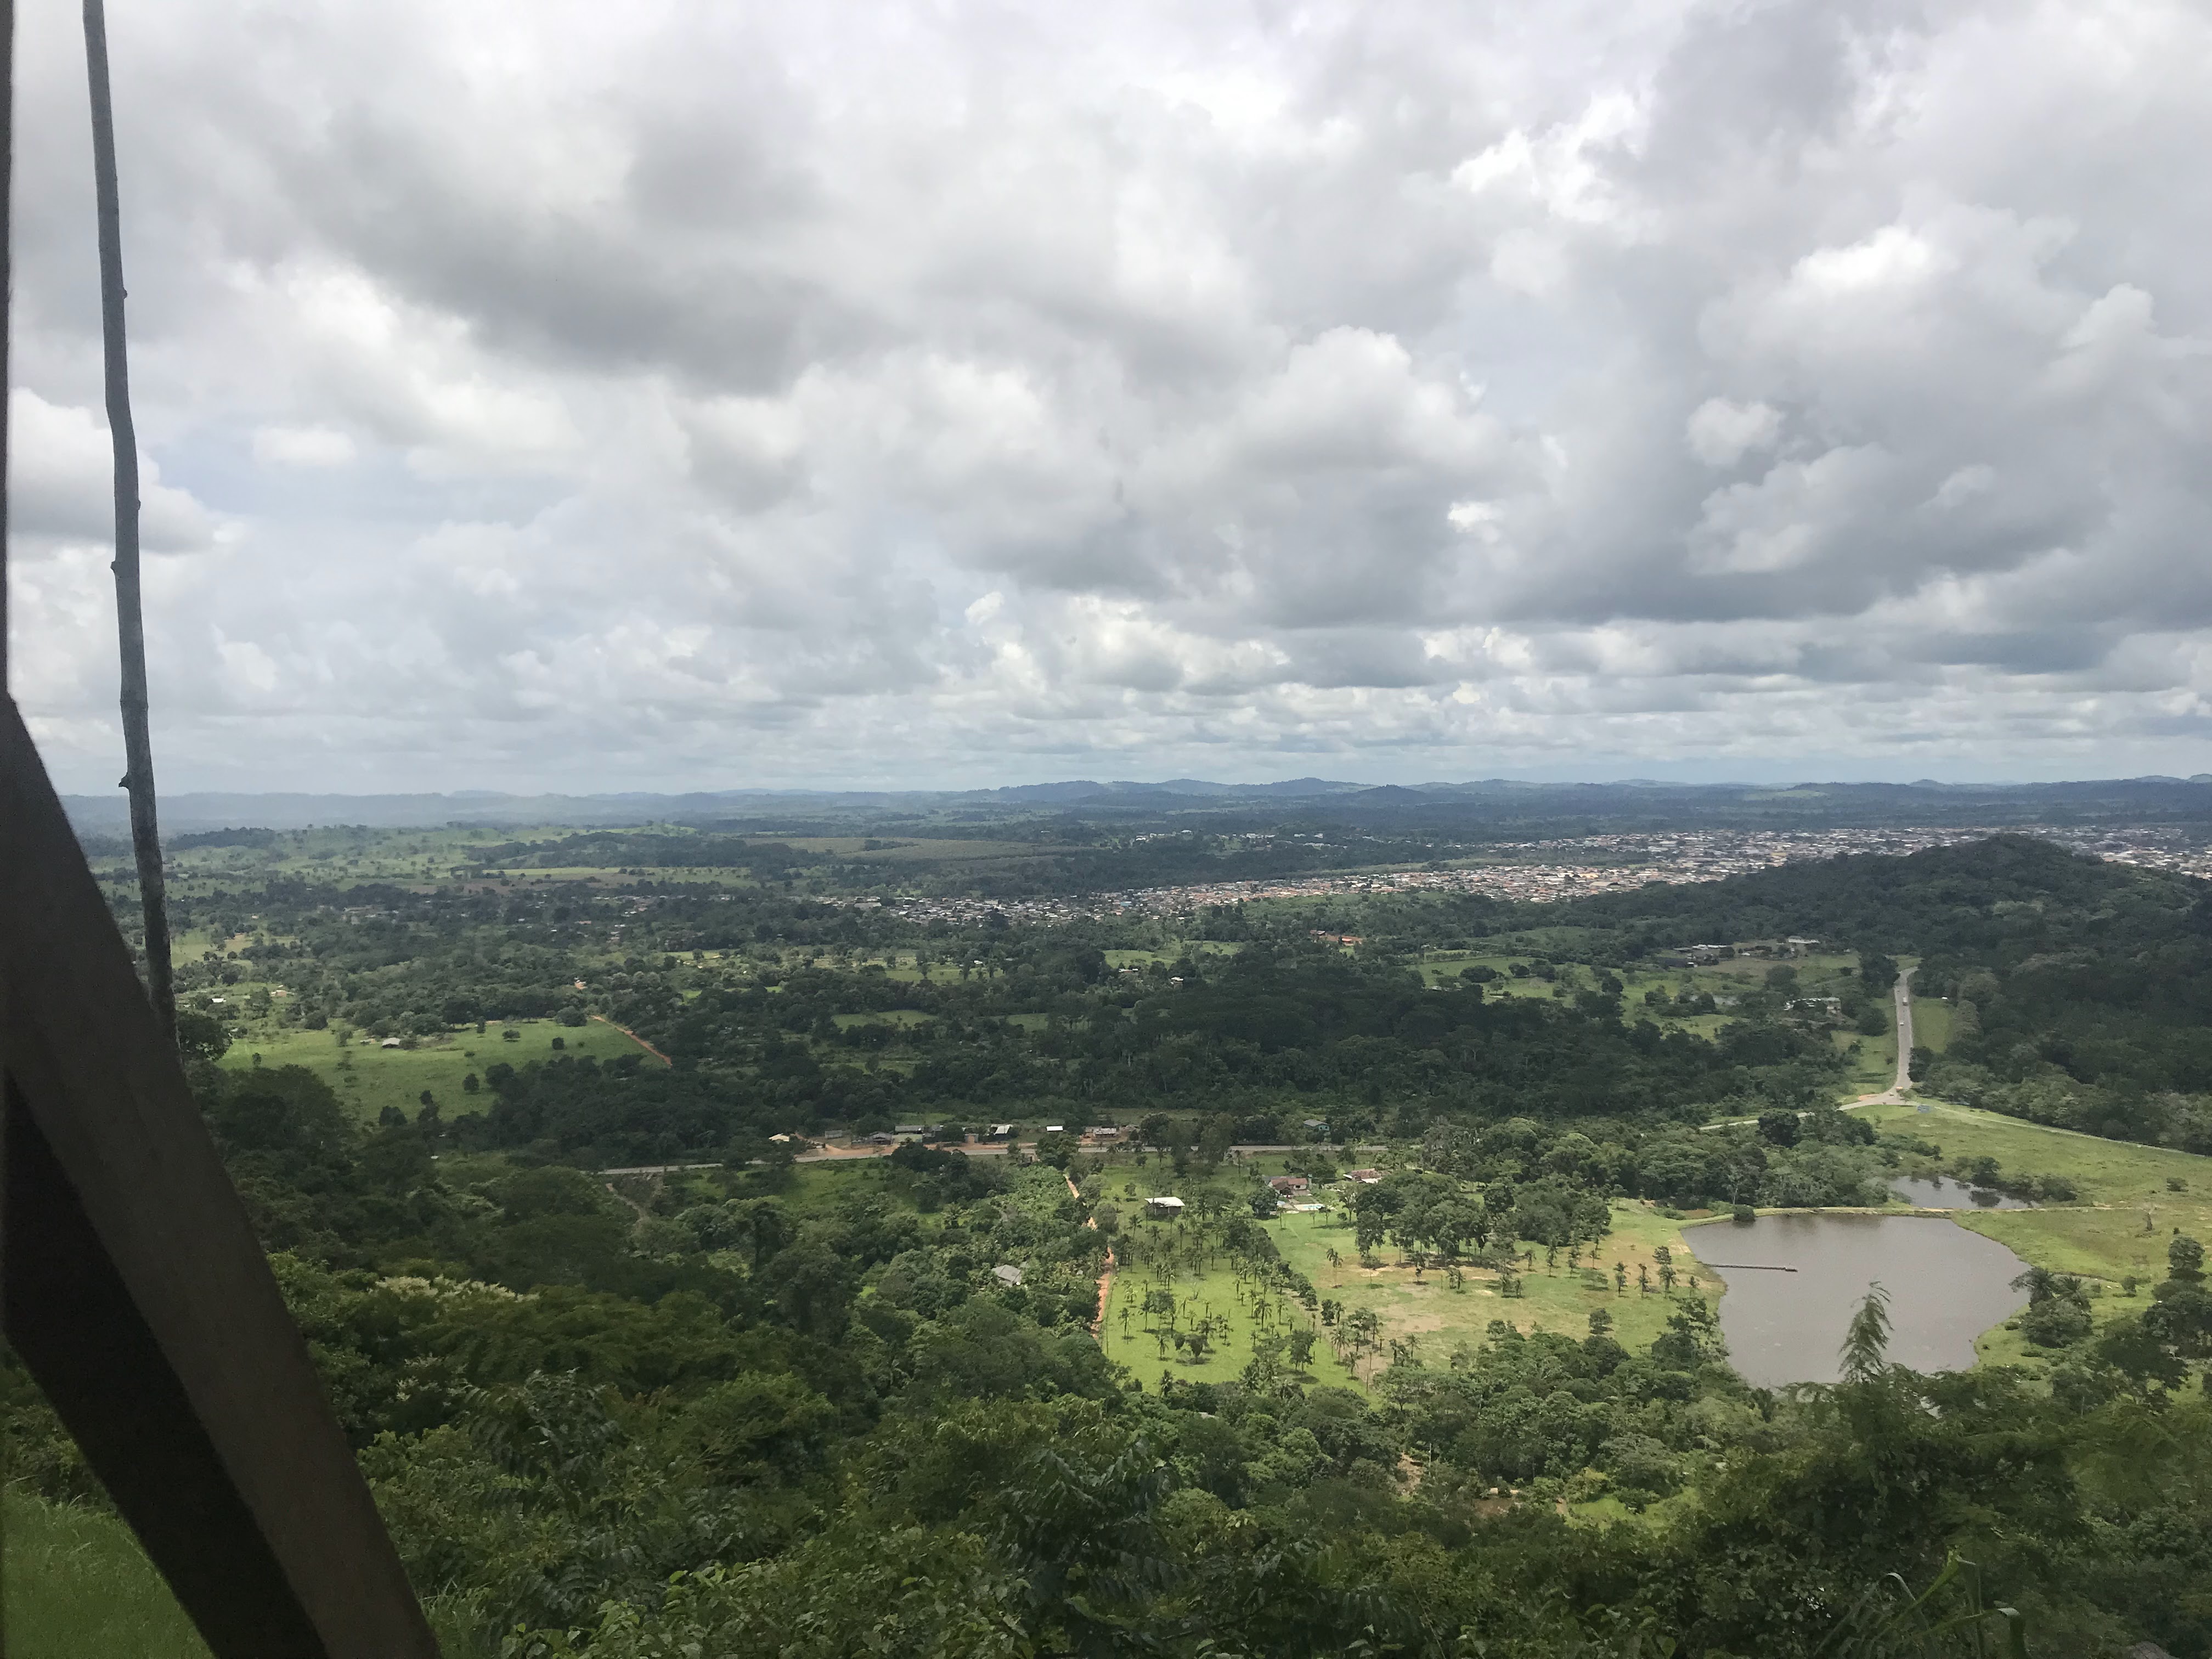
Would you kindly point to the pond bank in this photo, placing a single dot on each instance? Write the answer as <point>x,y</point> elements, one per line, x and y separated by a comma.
<point>1947,1286</point>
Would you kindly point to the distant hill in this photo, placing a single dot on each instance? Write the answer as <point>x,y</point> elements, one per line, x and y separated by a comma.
<point>1488,808</point>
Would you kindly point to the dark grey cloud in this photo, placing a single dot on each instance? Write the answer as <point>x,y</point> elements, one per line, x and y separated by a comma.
<point>544,394</point>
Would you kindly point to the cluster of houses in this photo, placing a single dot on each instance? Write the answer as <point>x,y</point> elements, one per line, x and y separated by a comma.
<point>1285,1187</point>
<point>998,1134</point>
<point>1698,956</point>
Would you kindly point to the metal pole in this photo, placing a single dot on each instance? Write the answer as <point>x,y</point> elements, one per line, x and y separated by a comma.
<point>7,276</point>
<point>130,617</point>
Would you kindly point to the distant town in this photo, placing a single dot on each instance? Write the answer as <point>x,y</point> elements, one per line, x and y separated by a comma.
<point>1541,871</point>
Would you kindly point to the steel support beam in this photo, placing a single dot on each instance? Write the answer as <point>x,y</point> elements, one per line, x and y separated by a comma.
<point>133,1287</point>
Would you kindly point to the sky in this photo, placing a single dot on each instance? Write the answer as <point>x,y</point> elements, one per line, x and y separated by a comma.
<point>699,396</point>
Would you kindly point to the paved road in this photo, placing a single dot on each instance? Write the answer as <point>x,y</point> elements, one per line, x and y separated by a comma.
<point>1895,1093</point>
<point>1903,993</point>
<point>1903,1031</point>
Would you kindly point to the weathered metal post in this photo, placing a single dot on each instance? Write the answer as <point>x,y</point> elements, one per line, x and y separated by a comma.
<point>130,611</point>
<point>131,1285</point>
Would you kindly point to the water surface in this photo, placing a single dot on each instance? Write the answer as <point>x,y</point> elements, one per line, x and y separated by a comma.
<point>1946,1287</point>
<point>1942,1195</point>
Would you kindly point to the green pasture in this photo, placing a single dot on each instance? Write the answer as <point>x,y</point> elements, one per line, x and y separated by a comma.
<point>1168,956</point>
<point>2127,1213</point>
<point>904,1018</point>
<point>2003,1344</point>
<point>1139,1341</point>
<point>1931,1024</point>
<point>1871,1062</point>
<point>370,1077</point>
<point>1419,1309</point>
<point>1553,1297</point>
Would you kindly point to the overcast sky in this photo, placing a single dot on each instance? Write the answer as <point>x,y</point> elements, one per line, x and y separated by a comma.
<point>714,395</point>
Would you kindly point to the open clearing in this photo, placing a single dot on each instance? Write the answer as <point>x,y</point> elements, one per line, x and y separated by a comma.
<point>1421,1310</point>
<point>369,1078</point>
<point>2127,1213</point>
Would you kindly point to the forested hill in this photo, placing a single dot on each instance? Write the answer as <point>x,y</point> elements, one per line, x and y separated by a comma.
<point>2082,990</point>
<point>2005,899</point>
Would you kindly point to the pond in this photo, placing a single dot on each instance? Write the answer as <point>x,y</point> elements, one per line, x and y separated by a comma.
<point>1942,1195</point>
<point>1946,1287</point>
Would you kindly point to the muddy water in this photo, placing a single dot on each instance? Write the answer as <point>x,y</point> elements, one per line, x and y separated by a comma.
<point>1946,1287</point>
<point>1941,1193</point>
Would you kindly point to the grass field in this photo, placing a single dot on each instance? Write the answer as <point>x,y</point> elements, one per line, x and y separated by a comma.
<point>1871,1062</point>
<point>378,1076</point>
<point>1931,1024</point>
<point>1202,947</point>
<point>2102,1237</point>
<point>1130,1342</point>
<point>1421,1310</point>
<point>76,1584</point>
<point>2127,1213</point>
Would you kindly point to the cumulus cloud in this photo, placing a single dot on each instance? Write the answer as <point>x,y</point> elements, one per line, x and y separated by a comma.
<point>302,446</point>
<point>61,484</point>
<point>1721,433</point>
<point>662,396</point>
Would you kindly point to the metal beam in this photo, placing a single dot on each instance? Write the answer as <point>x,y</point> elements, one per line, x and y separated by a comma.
<point>133,1287</point>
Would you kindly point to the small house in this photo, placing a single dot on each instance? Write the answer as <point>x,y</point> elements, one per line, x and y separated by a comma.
<point>1007,1274</point>
<point>907,1129</point>
<point>389,1042</point>
<point>1291,1186</point>
<point>1055,1128</point>
<point>883,1139</point>
<point>1366,1177</point>
<point>1164,1209</point>
<point>1103,1131</point>
<point>999,1131</point>
<point>780,1141</point>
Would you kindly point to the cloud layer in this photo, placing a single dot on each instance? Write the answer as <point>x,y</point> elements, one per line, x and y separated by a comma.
<point>689,396</point>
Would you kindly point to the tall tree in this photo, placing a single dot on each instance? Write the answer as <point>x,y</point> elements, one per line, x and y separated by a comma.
<point>130,617</point>
<point>1866,1344</point>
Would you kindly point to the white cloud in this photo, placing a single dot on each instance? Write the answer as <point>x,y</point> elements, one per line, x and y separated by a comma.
<point>61,484</point>
<point>666,396</point>
<point>302,446</point>
<point>1721,433</point>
